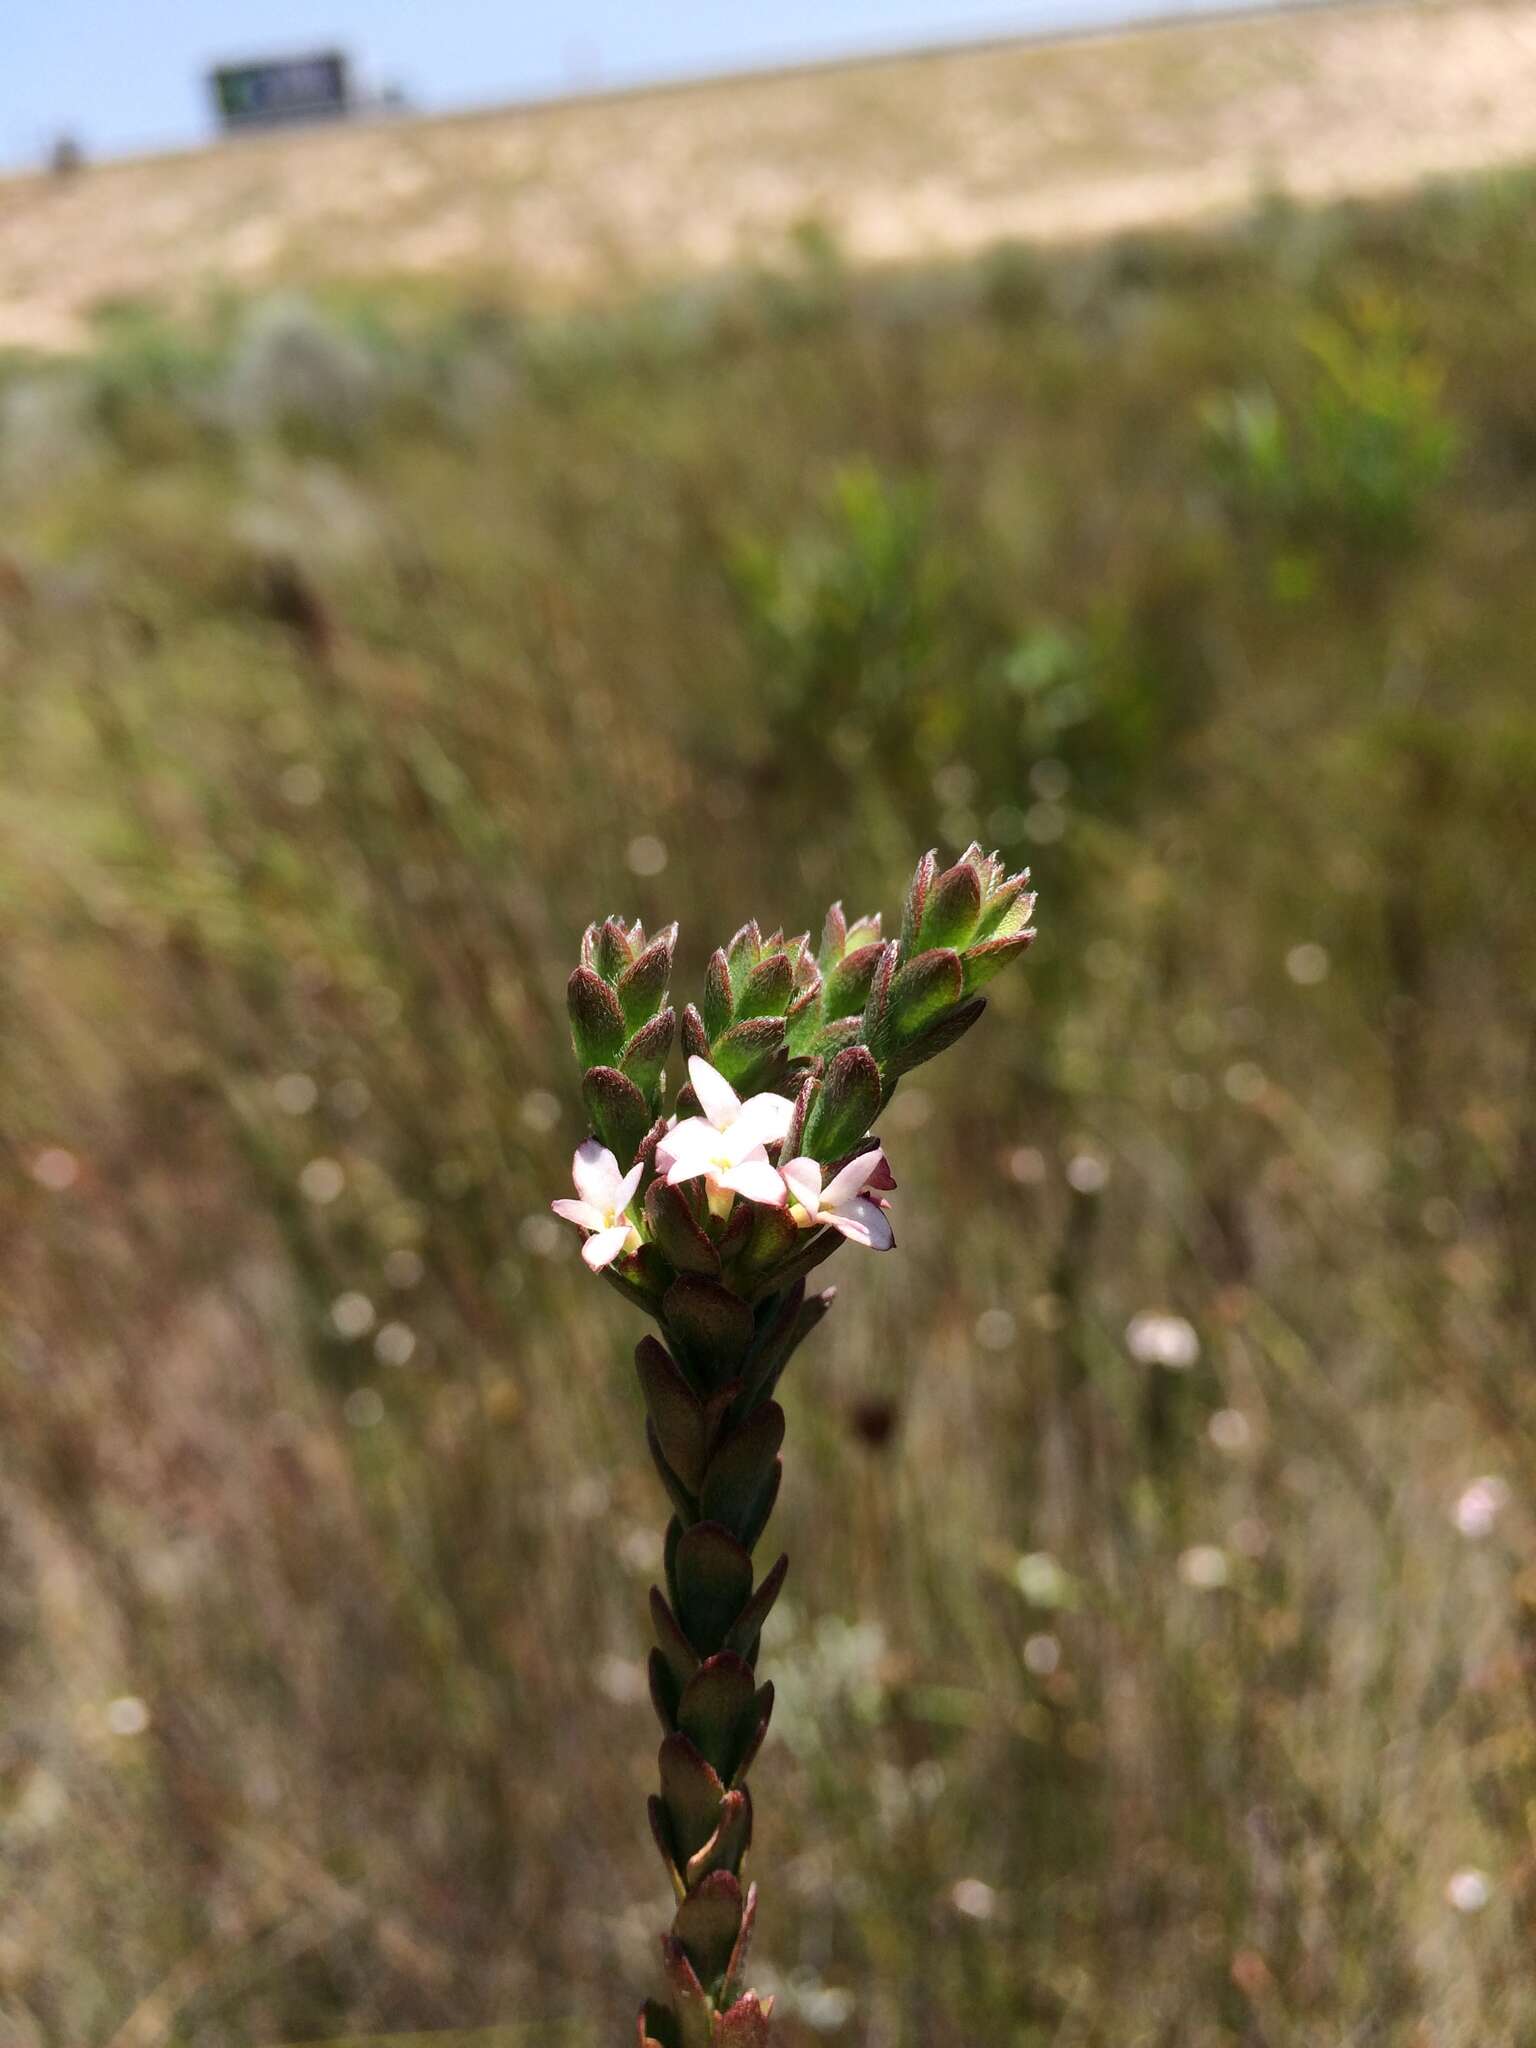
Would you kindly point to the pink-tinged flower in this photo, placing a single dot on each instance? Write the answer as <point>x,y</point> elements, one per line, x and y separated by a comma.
<point>728,1143</point>
<point>604,1195</point>
<point>844,1203</point>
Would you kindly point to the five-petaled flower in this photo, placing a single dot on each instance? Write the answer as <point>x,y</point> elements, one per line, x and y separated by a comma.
<point>604,1194</point>
<point>845,1202</point>
<point>728,1143</point>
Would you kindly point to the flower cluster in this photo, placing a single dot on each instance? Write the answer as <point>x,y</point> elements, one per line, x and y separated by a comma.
<point>709,1211</point>
<point>727,1147</point>
<point>767,1161</point>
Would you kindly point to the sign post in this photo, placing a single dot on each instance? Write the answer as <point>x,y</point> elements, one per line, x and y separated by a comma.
<point>266,95</point>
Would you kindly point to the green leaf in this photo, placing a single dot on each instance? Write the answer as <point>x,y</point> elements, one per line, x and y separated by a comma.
<point>767,989</point>
<point>802,1021</point>
<point>684,1503</point>
<point>1007,910</point>
<point>619,1112</point>
<point>847,988</point>
<point>642,1280</point>
<point>936,1039</point>
<point>645,1056</point>
<point>719,1000</point>
<point>786,1320</point>
<point>741,1475</point>
<point>879,996</point>
<point>834,939</point>
<point>676,1412</point>
<point>680,1654</point>
<point>695,2010</point>
<point>612,952</point>
<point>642,989</point>
<point>597,1022</point>
<point>695,1035</point>
<point>735,1968</point>
<point>708,1923</point>
<point>745,950</point>
<point>677,1232</point>
<point>713,1710</point>
<point>847,1105</point>
<point>710,1327</point>
<point>917,901</point>
<point>665,1690</point>
<point>756,1729</point>
<point>771,1236</point>
<point>982,962</point>
<point>764,1508</point>
<point>748,1625</point>
<point>728,1845</point>
<point>921,993</point>
<point>748,1054</point>
<point>714,1583</point>
<point>953,907</point>
<point>691,1792</point>
<point>833,1037</point>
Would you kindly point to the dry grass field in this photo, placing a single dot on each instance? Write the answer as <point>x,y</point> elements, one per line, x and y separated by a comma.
<point>1158,1665</point>
<point>922,156</point>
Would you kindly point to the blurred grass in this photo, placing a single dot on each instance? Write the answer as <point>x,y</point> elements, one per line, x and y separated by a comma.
<point>352,654</point>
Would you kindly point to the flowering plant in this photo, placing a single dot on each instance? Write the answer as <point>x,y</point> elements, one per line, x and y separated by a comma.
<point>710,1215</point>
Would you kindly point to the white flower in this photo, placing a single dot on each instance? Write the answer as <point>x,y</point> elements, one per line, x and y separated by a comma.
<point>1480,1506</point>
<point>728,1143</point>
<point>604,1194</point>
<point>1170,1341</point>
<point>844,1203</point>
<point>1468,1890</point>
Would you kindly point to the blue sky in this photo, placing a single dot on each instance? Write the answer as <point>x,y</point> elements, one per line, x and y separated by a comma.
<point>126,75</point>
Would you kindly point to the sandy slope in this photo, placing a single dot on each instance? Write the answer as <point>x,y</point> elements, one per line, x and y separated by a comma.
<point>918,155</point>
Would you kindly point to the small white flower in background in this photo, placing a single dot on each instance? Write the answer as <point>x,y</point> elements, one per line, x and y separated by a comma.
<point>1480,1506</point>
<point>996,1329</point>
<point>1042,1580</point>
<point>973,1898</point>
<point>603,1196</point>
<point>321,1181</point>
<point>728,1143</point>
<point>541,1110</point>
<point>844,1204</point>
<point>1307,964</point>
<point>1468,1891</point>
<point>1042,1655</point>
<point>127,1715</point>
<point>352,1316</point>
<point>295,1094</point>
<point>1244,1081</point>
<point>541,1236</point>
<point>1156,1339</point>
<point>56,1169</point>
<point>395,1344</point>
<point>1087,1174</point>
<point>351,1098</point>
<point>404,1267</point>
<point>1204,1566</point>
<point>302,785</point>
<point>1228,1430</point>
<point>619,1679</point>
<point>364,1408</point>
<point>1027,1166</point>
<point>646,855</point>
